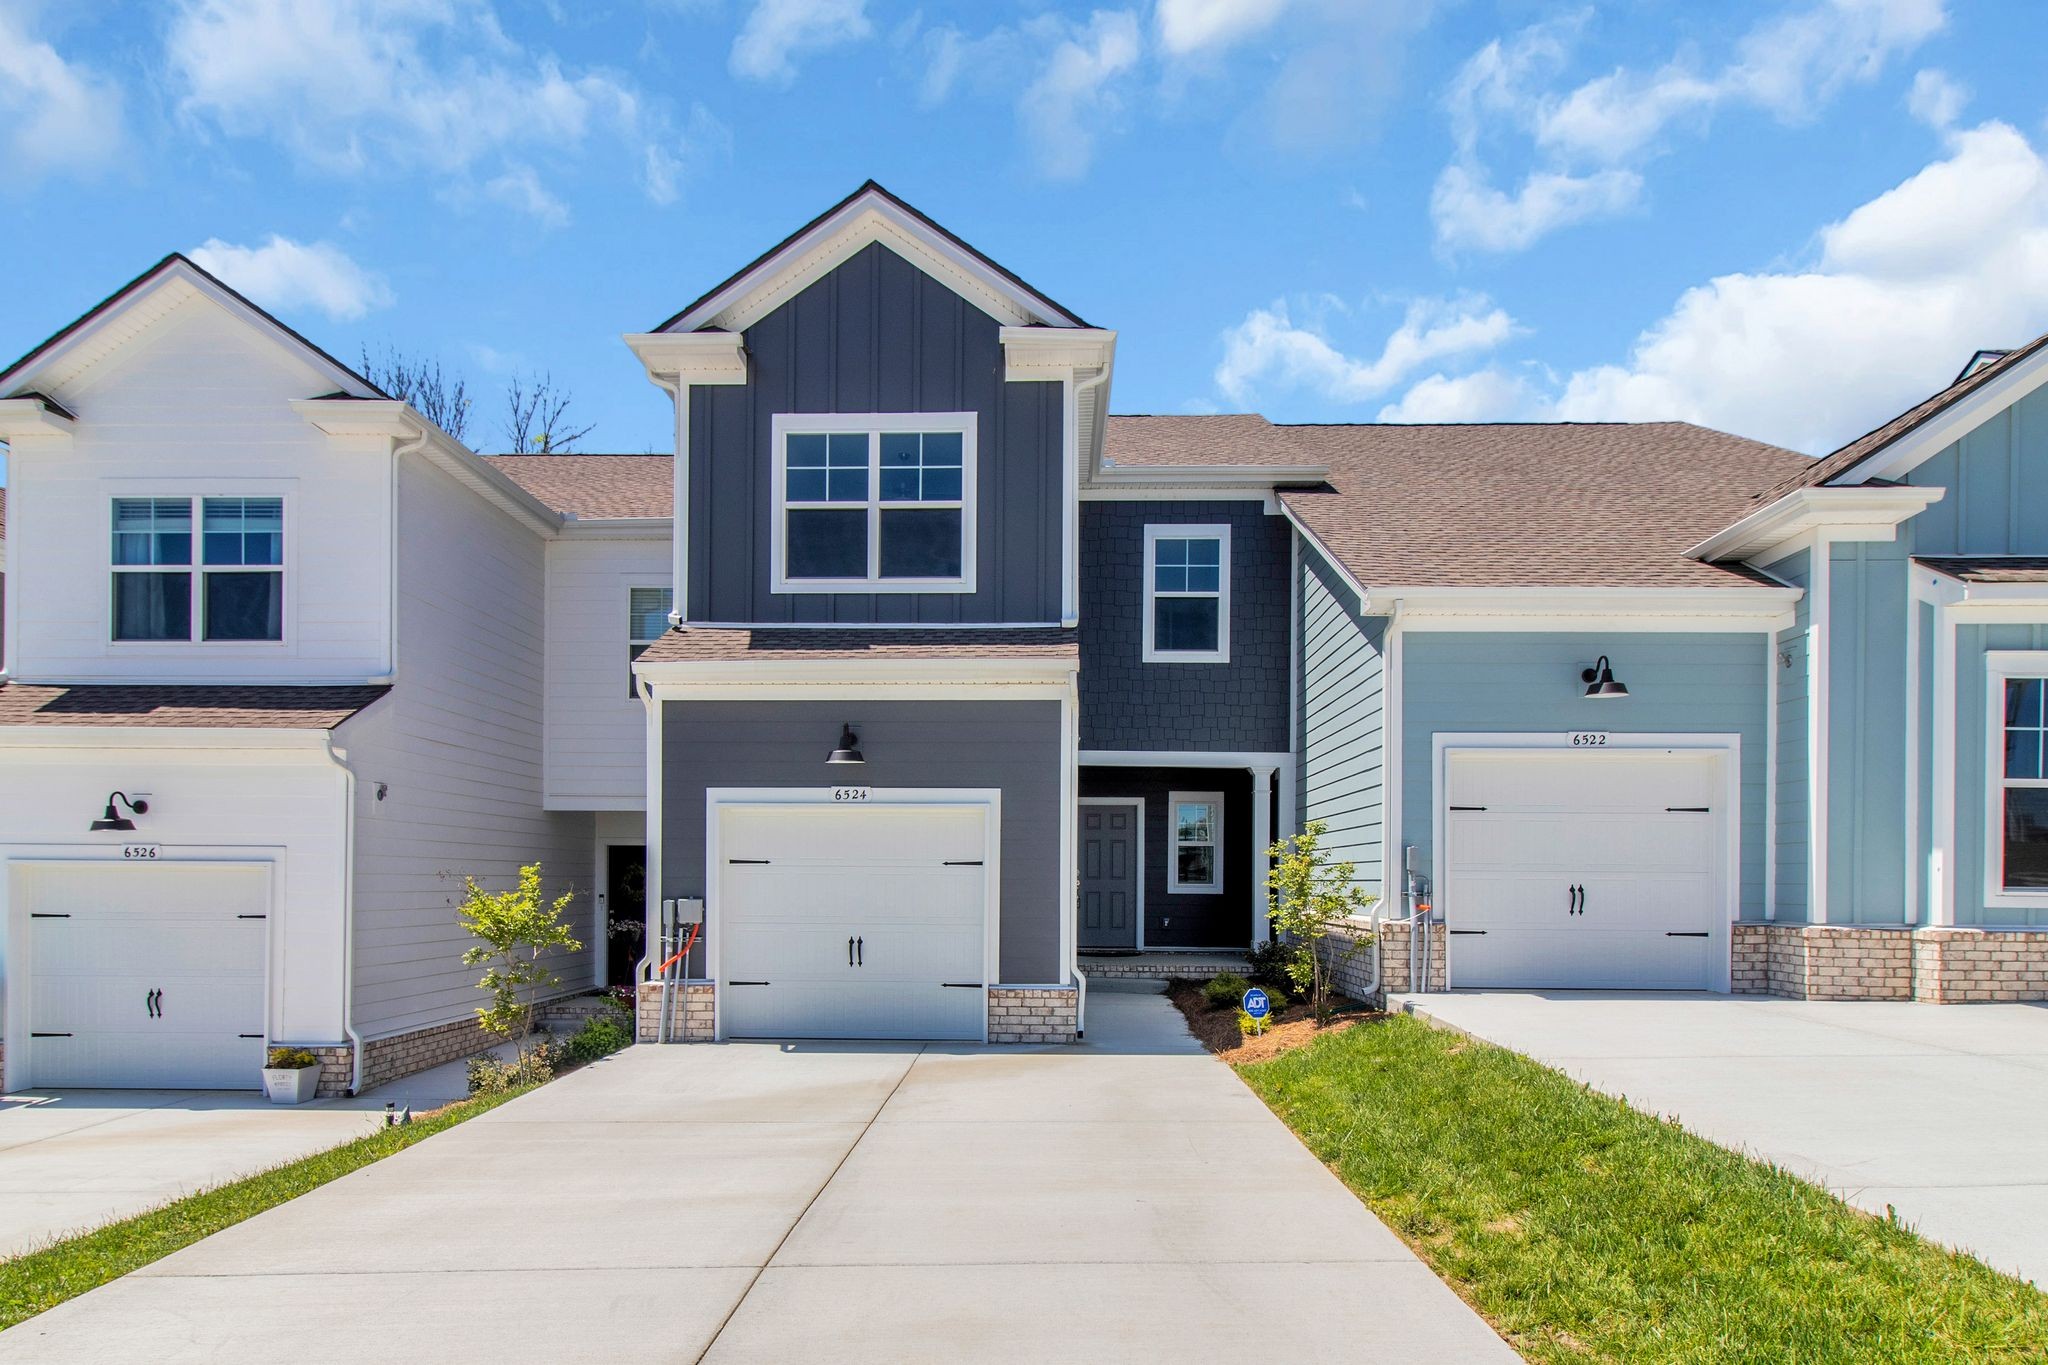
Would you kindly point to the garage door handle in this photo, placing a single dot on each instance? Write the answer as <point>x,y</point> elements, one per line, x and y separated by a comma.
<point>153,1004</point>
<point>860,948</point>
<point>849,950</point>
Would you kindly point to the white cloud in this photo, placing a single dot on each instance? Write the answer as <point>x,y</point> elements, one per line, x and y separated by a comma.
<point>1786,66</point>
<point>1468,212</point>
<point>519,188</point>
<point>1076,92</point>
<point>1903,289</point>
<point>1936,99</point>
<point>779,31</point>
<point>1188,27</point>
<point>1487,395</point>
<point>1268,350</point>
<point>353,86</point>
<point>284,275</point>
<point>56,116</point>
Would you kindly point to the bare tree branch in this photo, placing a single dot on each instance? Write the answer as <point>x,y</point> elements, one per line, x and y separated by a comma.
<point>536,417</point>
<point>421,383</point>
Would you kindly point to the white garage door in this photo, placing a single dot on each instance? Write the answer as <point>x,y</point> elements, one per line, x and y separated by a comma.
<point>1589,870</point>
<point>853,922</point>
<point>146,976</point>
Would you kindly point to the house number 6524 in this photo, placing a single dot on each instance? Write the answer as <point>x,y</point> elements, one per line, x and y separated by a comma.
<point>851,793</point>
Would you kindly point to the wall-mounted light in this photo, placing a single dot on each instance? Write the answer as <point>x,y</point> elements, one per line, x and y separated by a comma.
<point>1599,680</point>
<point>114,820</point>
<point>849,747</point>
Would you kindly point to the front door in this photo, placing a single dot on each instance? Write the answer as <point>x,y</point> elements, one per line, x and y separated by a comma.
<point>1109,876</point>
<point>625,907</point>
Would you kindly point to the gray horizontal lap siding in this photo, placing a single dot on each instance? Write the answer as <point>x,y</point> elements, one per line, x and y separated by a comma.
<point>1511,681</point>
<point>1126,703</point>
<point>1184,920</point>
<point>1342,771</point>
<point>1014,746</point>
<point>875,335</point>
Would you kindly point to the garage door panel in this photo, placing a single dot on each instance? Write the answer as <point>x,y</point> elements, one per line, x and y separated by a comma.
<point>821,1009</point>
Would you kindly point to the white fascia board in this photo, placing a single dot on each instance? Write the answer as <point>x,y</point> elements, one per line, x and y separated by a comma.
<point>1261,476</point>
<point>28,418</point>
<point>868,217</point>
<point>1950,425</point>
<point>98,738</point>
<point>672,358</point>
<point>1049,353</point>
<point>1444,608</point>
<point>1182,758</point>
<point>391,419</point>
<point>744,674</point>
<point>1854,513</point>
<point>617,528</point>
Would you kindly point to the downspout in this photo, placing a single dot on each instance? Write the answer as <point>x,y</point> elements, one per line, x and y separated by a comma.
<point>679,519</point>
<point>1073,907</point>
<point>339,759</point>
<point>1070,613</point>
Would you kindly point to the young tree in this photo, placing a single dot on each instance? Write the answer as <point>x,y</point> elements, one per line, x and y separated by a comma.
<point>516,930</point>
<point>1308,893</point>
<point>440,400</point>
<point>536,417</point>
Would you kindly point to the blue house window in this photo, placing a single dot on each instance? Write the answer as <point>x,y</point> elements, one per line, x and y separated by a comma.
<point>2024,786</point>
<point>873,503</point>
<point>234,592</point>
<point>1187,594</point>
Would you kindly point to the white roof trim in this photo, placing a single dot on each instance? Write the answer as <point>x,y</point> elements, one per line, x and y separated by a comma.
<point>1204,475</point>
<point>1759,604</point>
<point>1055,352</point>
<point>397,421</point>
<point>1949,425</point>
<point>1849,513</point>
<point>870,216</point>
<point>148,301</point>
<point>31,417</point>
<point>691,357</point>
<point>928,671</point>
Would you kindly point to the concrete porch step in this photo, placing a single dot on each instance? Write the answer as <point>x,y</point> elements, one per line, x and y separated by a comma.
<point>1151,971</point>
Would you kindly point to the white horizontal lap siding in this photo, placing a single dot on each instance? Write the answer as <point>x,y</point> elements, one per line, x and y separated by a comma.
<point>458,745</point>
<point>596,732</point>
<point>198,404</point>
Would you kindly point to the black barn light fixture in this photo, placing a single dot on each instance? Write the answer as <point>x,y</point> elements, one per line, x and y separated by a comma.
<point>1599,680</point>
<point>849,747</point>
<point>114,820</point>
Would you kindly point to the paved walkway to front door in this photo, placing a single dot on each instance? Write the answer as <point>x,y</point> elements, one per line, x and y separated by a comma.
<point>1937,1111</point>
<point>1127,1199</point>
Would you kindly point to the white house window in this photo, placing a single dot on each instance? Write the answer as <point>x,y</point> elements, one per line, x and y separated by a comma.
<point>1187,594</point>
<point>647,612</point>
<point>234,591</point>
<point>1197,830</point>
<point>881,503</point>
<point>2023,794</point>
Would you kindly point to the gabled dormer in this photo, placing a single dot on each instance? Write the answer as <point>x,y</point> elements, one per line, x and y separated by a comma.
<point>879,424</point>
<point>200,494</point>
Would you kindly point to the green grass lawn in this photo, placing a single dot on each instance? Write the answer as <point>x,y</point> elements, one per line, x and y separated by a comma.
<point>1587,1231</point>
<point>38,1280</point>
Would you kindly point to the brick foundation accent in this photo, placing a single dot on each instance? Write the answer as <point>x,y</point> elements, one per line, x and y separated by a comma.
<point>386,1059</point>
<point>690,1013</point>
<point>1942,966</point>
<point>1032,1014</point>
<point>1351,977</point>
<point>337,1069</point>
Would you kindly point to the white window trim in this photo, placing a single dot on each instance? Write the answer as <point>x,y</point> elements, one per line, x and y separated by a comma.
<point>634,641</point>
<point>785,424</point>
<point>198,570</point>
<point>1170,531</point>
<point>1174,843</point>
<point>1999,666</point>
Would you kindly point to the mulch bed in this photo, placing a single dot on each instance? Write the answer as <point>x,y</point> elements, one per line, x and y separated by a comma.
<point>1286,1029</point>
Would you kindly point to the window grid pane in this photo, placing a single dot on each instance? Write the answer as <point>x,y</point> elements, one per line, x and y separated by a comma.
<point>243,531</point>
<point>2025,727</point>
<point>152,531</point>
<point>648,610</point>
<point>914,498</point>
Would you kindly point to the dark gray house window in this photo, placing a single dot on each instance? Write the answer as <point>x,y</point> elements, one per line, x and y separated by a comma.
<point>1187,594</point>
<point>874,503</point>
<point>237,591</point>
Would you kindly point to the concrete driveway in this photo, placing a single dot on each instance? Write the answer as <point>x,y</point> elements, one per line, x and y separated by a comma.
<point>1937,1110</point>
<point>72,1160</point>
<point>1124,1200</point>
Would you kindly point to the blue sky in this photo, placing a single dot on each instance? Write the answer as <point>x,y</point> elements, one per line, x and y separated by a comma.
<point>1788,219</point>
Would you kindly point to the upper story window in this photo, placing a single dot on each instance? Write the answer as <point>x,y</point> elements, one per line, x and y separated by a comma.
<point>231,590</point>
<point>1187,594</point>
<point>647,612</point>
<point>880,503</point>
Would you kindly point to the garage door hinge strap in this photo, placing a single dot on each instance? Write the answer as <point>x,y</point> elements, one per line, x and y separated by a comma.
<point>248,1035</point>
<point>1691,933</point>
<point>40,914</point>
<point>746,983</point>
<point>960,985</point>
<point>49,1035</point>
<point>962,862</point>
<point>746,862</point>
<point>1468,931</point>
<point>1687,810</point>
<point>1468,808</point>
<point>252,917</point>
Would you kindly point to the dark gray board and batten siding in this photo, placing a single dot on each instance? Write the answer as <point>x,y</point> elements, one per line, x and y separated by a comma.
<point>1128,704</point>
<point>876,335</point>
<point>1011,745</point>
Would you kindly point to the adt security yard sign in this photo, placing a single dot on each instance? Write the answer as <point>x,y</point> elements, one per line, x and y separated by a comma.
<point>1256,1004</point>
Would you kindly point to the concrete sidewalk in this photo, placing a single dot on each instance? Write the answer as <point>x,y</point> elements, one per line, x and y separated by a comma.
<point>1935,1110</point>
<point>1124,1200</point>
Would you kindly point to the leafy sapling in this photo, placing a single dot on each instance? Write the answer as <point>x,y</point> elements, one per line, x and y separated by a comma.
<point>517,931</point>
<point>1308,894</point>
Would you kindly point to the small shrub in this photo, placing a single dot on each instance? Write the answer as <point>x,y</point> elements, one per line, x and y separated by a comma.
<point>290,1059</point>
<point>1248,1025</point>
<point>624,999</point>
<point>599,1037</point>
<point>1269,963</point>
<point>1227,989</point>
<point>491,1075</point>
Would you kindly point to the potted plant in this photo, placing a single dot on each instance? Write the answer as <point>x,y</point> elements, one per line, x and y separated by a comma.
<point>291,1075</point>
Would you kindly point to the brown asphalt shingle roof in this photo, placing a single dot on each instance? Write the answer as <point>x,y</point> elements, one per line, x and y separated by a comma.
<point>253,708</point>
<point>595,485</point>
<point>1558,504</point>
<point>1871,442</point>
<point>1989,568</point>
<point>701,644</point>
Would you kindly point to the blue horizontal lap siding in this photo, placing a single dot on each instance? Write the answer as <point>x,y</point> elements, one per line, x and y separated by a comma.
<point>1795,788</point>
<point>1510,682</point>
<point>1342,770</point>
<point>876,335</point>
<point>1126,703</point>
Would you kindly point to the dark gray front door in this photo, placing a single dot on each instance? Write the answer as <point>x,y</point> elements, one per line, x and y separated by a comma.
<point>1109,876</point>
